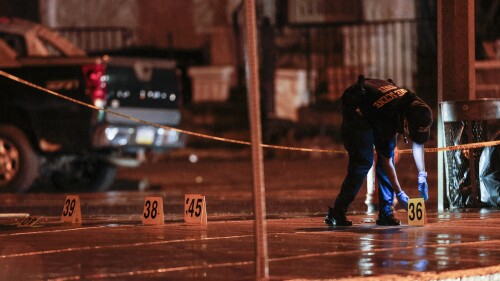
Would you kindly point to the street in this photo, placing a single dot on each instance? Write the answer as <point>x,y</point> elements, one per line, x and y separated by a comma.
<point>111,243</point>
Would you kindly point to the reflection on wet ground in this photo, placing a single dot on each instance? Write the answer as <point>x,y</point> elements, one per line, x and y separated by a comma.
<point>450,245</point>
<point>112,244</point>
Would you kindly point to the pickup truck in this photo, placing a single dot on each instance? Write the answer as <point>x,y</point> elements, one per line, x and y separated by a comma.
<point>46,138</point>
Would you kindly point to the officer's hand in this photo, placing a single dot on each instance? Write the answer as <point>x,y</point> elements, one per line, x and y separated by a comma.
<point>423,188</point>
<point>403,200</point>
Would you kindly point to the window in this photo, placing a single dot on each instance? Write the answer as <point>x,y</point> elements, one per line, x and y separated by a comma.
<point>16,42</point>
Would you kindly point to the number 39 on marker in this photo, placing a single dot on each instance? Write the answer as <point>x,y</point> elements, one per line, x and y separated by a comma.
<point>416,212</point>
<point>195,209</point>
<point>71,212</point>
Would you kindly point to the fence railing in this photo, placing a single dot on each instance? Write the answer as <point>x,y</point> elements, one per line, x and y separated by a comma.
<point>334,55</point>
<point>337,54</point>
<point>93,39</point>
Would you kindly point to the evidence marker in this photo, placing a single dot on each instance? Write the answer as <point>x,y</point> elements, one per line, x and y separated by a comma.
<point>416,212</point>
<point>71,212</point>
<point>195,209</point>
<point>29,221</point>
<point>152,213</point>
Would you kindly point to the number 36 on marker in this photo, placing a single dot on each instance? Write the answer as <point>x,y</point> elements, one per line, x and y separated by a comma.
<point>195,209</point>
<point>416,212</point>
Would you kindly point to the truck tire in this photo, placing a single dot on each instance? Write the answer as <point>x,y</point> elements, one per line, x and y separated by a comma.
<point>103,176</point>
<point>85,175</point>
<point>19,164</point>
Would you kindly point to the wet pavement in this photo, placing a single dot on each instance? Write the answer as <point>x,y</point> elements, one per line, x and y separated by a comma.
<point>450,245</point>
<point>112,243</point>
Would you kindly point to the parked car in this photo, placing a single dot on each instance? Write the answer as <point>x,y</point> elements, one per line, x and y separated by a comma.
<point>43,136</point>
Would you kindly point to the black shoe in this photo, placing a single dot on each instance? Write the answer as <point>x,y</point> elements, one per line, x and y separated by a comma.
<point>388,220</point>
<point>337,217</point>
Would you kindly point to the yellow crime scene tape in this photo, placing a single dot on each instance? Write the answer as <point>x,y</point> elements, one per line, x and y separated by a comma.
<point>221,139</point>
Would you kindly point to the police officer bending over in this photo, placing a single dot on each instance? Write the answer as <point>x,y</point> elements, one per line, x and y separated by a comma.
<point>374,111</point>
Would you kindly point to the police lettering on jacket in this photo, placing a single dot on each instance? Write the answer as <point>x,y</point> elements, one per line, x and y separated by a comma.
<point>391,93</point>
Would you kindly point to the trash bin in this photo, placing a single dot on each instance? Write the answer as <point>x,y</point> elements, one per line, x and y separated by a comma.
<point>489,174</point>
<point>466,122</point>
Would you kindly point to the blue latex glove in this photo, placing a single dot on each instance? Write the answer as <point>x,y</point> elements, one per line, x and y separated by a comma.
<point>403,200</point>
<point>423,188</point>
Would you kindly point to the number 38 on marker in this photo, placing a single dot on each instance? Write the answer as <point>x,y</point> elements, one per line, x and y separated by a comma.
<point>153,211</point>
<point>416,212</point>
<point>195,210</point>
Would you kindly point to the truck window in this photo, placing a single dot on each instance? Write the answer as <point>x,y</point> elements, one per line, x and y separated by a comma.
<point>16,42</point>
<point>52,49</point>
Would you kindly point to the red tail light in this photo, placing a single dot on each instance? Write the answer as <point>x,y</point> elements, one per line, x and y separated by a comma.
<point>4,20</point>
<point>95,80</point>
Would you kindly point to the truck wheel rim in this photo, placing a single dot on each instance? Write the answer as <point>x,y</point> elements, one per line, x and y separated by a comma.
<point>9,161</point>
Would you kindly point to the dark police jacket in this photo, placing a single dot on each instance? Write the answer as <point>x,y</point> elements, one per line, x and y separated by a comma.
<point>381,103</point>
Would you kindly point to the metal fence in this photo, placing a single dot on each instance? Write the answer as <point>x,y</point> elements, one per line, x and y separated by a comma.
<point>93,39</point>
<point>335,55</point>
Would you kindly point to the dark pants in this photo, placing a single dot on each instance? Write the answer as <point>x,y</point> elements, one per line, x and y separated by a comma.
<point>359,140</point>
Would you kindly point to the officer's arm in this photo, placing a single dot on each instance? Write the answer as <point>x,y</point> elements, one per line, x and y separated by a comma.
<point>390,170</point>
<point>418,155</point>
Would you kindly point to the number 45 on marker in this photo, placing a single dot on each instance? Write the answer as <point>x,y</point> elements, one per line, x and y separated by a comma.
<point>195,209</point>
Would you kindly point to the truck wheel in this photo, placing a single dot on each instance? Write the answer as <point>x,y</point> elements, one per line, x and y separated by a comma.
<point>102,176</point>
<point>85,175</point>
<point>19,164</point>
